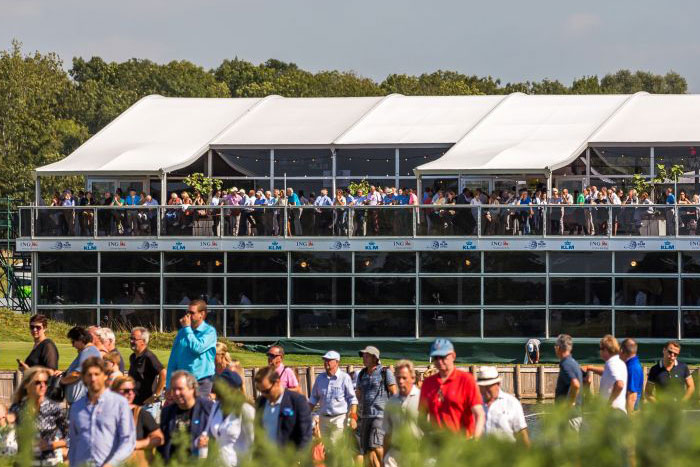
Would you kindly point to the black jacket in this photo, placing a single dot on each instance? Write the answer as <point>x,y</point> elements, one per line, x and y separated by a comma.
<point>295,424</point>
<point>198,424</point>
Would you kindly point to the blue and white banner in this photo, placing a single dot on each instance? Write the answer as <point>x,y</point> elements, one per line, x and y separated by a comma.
<point>365,244</point>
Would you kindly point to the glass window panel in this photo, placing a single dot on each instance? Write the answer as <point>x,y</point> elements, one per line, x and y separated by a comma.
<point>678,155</point>
<point>256,262</point>
<point>321,290</point>
<point>450,262</point>
<point>360,163</point>
<point>691,292</point>
<point>246,184</point>
<point>580,290</point>
<point>385,323</point>
<point>75,317</point>
<point>410,158</point>
<point>67,290</point>
<point>182,290</point>
<point>171,319</point>
<point>130,262</point>
<point>514,323</point>
<point>691,324</point>
<point>247,162</point>
<point>67,262</point>
<point>385,291</point>
<point>127,319</point>
<point>650,262</point>
<point>385,262</point>
<point>257,290</point>
<point>450,291</point>
<point>241,322</point>
<point>691,262</point>
<point>576,262</point>
<point>646,323</point>
<point>194,262</point>
<point>306,188</point>
<point>129,290</point>
<point>322,261</point>
<point>450,323</point>
<point>444,184</point>
<point>580,323</point>
<point>514,261</point>
<point>620,161</point>
<point>321,323</point>
<point>646,291</point>
<point>514,290</point>
<point>303,162</point>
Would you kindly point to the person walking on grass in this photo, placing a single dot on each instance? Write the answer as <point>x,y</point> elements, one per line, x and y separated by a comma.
<point>635,375</point>
<point>505,417</point>
<point>613,377</point>
<point>568,388</point>
<point>72,380</point>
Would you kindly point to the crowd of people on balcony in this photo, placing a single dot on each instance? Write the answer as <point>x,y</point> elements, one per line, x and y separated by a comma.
<point>285,212</point>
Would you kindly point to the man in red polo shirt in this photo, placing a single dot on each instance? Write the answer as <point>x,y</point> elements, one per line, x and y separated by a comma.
<point>451,397</point>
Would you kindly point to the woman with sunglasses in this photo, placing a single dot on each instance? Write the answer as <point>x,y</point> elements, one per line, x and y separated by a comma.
<point>44,353</point>
<point>148,433</point>
<point>50,423</point>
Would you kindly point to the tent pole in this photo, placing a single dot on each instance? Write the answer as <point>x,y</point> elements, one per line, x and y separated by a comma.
<point>37,190</point>
<point>163,188</point>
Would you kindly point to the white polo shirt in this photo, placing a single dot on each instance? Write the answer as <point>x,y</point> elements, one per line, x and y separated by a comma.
<point>504,417</point>
<point>615,370</point>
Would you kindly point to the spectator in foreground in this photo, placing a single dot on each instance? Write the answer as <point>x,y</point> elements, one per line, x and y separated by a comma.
<point>401,408</point>
<point>8,437</point>
<point>194,348</point>
<point>96,339</point>
<point>450,397</point>
<point>504,413</point>
<point>670,373</point>
<point>285,415</point>
<point>112,439</point>
<point>148,433</point>
<point>188,414</point>
<point>50,423</point>
<point>375,384</point>
<point>233,431</point>
<point>635,374</point>
<point>568,388</point>
<point>335,397</point>
<point>81,340</point>
<point>145,369</point>
<point>613,380</point>
<point>44,353</point>
<point>275,358</point>
<point>224,362</point>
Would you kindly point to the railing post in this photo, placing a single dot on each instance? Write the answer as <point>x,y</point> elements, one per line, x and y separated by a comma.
<point>286,226</point>
<point>221,221</point>
<point>610,220</point>
<point>479,215</point>
<point>94,222</point>
<point>675,216</point>
<point>414,220</point>
<point>351,220</point>
<point>159,221</point>
<point>545,224</point>
<point>31,220</point>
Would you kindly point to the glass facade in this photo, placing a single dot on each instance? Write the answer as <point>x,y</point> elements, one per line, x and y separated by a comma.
<point>383,294</point>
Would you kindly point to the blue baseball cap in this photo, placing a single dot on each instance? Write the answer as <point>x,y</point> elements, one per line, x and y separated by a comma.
<point>441,347</point>
<point>231,378</point>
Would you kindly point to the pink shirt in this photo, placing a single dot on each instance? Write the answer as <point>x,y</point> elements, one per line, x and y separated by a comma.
<point>287,377</point>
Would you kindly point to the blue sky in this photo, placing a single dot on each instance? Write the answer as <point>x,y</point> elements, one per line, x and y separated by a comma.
<point>512,40</point>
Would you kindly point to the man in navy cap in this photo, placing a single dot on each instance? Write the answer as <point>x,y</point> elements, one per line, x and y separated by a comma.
<point>335,397</point>
<point>451,397</point>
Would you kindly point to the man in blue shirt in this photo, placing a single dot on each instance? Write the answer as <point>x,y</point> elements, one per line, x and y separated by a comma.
<point>568,389</point>
<point>81,340</point>
<point>335,396</point>
<point>132,215</point>
<point>194,348</point>
<point>293,200</point>
<point>102,430</point>
<point>635,374</point>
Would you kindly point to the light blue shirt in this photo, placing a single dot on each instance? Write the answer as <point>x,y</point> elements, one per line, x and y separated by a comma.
<point>194,351</point>
<point>271,417</point>
<point>334,394</point>
<point>77,390</point>
<point>101,433</point>
<point>323,201</point>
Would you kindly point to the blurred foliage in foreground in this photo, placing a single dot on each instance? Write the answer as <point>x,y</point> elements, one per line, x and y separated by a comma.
<point>665,434</point>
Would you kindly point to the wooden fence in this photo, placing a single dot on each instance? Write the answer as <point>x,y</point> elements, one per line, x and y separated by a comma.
<point>527,382</point>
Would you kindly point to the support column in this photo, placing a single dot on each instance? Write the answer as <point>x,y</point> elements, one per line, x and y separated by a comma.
<point>272,170</point>
<point>37,190</point>
<point>210,166</point>
<point>333,170</point>
<point>396,168</point>
<point>163,188</point>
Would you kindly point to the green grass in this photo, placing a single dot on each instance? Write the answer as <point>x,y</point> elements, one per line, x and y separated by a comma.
<point>15,342</point>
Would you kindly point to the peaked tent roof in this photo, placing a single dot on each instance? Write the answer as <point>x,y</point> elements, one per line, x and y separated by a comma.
<point>153,134</point>
<point>496,134</point>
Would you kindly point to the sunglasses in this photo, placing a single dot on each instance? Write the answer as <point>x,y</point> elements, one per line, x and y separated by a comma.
<point>672,353</point>
<point>273,355</point>
<point>41,382</point>
<point>126,390</point>
<point>35,328</point>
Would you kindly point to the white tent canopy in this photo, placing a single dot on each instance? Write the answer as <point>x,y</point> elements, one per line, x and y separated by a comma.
<point>516,133</point>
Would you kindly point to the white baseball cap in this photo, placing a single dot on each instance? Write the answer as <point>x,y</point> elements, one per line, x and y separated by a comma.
<point>332,355</point>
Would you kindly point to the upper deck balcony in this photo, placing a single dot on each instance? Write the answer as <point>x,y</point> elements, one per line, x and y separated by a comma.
<point>425,227</point>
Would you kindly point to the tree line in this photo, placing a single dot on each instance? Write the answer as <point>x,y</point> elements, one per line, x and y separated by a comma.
<point>47,111</point>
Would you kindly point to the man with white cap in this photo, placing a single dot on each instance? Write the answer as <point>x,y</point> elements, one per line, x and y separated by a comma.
<point>335,397</point>
<point>504,414</point>
<point>375,384</point>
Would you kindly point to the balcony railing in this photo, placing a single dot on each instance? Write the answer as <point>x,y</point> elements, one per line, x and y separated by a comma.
<point>642,220</point>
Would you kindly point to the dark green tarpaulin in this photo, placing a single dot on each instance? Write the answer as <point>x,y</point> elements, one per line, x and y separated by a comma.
<point>468,351</point>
